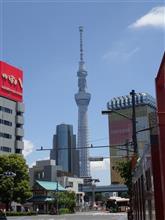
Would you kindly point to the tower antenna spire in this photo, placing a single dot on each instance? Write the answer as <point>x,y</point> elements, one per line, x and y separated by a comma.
<point>82,99</point>
<point>81,43</point>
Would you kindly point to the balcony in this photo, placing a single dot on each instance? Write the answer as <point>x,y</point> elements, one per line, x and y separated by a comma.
<point>20,107</point>
<point>19,132</point>
<point>19,145</point>
<point>19,120</point>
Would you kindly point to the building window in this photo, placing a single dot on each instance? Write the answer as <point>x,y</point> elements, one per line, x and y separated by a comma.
<point>19,113</point>
<point>70,184</point>
<point>18,125</point>
<point>19,138</point>
<point>5,135</point>
<point>18,151</point>
<point>5,149</point>
<point>4,122</point>
<point>7,110</point>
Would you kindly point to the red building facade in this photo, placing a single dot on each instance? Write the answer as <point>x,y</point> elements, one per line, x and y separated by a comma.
<point>160,154</point>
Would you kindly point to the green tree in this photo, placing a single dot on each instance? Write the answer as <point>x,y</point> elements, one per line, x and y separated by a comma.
<point>14,188</point>
<point>66,199</point>
<point>100,197</point>
<point>124,169</point>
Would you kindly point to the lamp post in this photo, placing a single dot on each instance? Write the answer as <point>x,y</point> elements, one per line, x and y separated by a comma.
<point>57,208</point>
<point>94,181</point>
<point>93,185</point>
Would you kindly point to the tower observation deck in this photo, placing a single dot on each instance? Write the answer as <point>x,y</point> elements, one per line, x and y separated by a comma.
<point>82,99</point>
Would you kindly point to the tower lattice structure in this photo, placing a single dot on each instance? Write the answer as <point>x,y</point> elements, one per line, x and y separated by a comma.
<point>82,100</point>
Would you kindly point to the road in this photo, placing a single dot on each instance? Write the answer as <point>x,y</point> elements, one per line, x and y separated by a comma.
<point>77,216</point>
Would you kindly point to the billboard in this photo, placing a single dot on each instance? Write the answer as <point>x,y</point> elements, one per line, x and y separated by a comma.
<point>11,85</point>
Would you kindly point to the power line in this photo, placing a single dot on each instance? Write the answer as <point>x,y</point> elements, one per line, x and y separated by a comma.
<point>99,139</point>
<point>90,147</point>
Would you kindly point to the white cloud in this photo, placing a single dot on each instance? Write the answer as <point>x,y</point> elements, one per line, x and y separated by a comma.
<point>122,54</point>
<point>101,170</point>
<point>100,165</point>
<point>28,148</point>
<point>154,18</point>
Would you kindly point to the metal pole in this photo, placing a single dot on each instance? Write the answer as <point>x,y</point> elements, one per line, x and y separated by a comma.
<point>127,149</point>
<point>134,137</point>
<point>93,194</point>
<point>57,199</point>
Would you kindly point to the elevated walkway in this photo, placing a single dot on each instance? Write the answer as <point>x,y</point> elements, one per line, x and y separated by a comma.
<point>108,188</point>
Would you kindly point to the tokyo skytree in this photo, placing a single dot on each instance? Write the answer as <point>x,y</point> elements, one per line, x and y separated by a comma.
<point>82,99</point>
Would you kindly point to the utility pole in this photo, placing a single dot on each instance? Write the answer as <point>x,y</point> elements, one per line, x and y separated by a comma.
<point>134,136</point>
<point>134,139</point>
<point>127,148</point>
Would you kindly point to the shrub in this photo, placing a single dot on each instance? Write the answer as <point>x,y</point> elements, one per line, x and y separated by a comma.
<point>20,213</point>
<point>64,211</point>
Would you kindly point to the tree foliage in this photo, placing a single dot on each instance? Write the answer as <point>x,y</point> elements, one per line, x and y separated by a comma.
<point>66,199</point>
<point>100,197</point>
<point>124,169</point>
<point>14,188</point>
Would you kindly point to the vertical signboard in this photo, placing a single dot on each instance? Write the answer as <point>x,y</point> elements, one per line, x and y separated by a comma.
<point>11,82</point>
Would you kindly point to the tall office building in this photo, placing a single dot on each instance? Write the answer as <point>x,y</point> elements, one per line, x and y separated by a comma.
<point>82,99</point>
<point>64,149</point>
<point>120,128</point>
<point>11,109</point>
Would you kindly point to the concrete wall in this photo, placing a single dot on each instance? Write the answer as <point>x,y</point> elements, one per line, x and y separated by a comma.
<point>11,126</point>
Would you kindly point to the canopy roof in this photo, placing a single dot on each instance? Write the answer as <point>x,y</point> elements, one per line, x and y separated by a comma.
<point>40,199</point>
<point>118,199</point>
<point>51,186</point>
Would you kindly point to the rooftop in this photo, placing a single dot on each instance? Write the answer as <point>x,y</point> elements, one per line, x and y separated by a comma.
<point>51,186</point>
<point>122,102</point>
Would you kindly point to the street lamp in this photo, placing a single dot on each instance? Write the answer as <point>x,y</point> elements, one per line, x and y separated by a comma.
<point>93,182</point>
<point>57,208</point>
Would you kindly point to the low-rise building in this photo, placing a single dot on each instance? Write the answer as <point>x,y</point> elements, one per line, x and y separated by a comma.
<point>45,170</point>
<point>74,184</point>
<point>43,194</point>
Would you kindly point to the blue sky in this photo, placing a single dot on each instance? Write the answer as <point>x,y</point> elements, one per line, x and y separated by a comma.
<point>123,47</point>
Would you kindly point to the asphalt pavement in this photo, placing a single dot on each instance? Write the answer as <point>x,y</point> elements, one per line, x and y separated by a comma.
<point>76,216</point>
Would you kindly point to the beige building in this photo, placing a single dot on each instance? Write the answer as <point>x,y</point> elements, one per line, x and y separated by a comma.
<point>120,128</point>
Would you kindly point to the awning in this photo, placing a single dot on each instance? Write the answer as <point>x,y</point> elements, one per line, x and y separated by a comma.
<point>40,199</point>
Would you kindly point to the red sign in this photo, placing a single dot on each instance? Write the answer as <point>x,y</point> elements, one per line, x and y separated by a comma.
<point>11,85</point>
